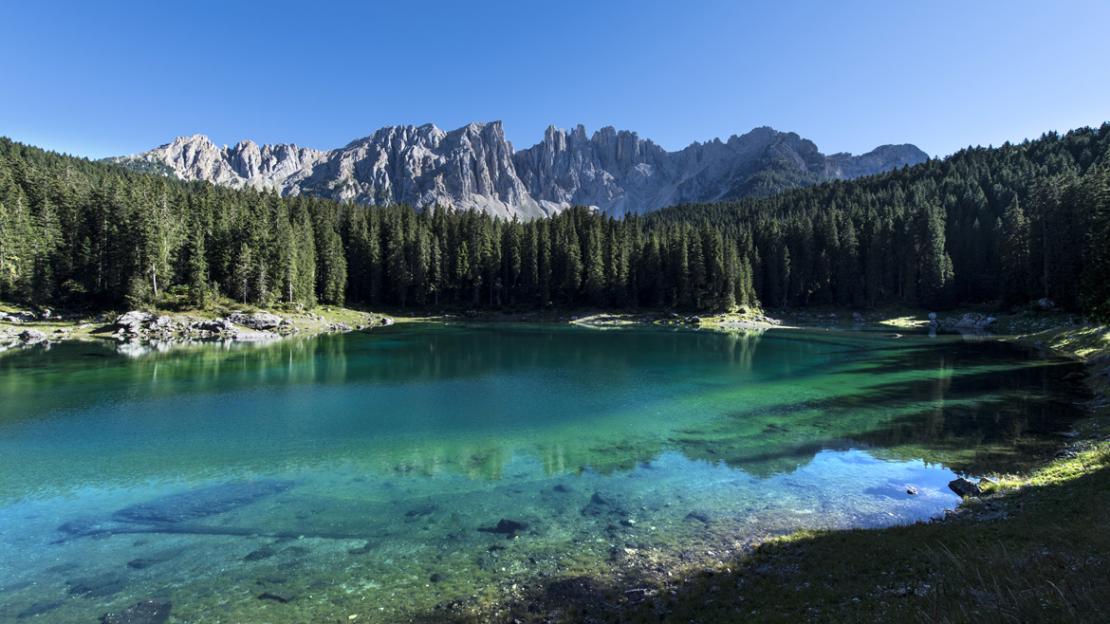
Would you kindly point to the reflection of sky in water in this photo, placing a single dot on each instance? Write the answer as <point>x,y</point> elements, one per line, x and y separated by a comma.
<point>405,442</point>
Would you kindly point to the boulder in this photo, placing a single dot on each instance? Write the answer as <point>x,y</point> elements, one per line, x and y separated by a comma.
<point>215,326</point>
<point>964,488</point>
<point>134,321</point>
<point>971,321</point>
<point>257,320</point>
<point>1044,303</point>
<point>17,318</point>
<point>162,323</point>
<point>32,337</point>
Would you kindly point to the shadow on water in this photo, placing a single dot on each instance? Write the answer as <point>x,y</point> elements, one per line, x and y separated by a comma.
<point>959,406</point>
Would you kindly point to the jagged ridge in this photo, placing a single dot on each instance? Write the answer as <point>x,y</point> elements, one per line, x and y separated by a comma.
<point>475,167</point>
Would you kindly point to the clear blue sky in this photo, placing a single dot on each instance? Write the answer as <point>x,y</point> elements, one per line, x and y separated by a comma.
<point>104,78</point>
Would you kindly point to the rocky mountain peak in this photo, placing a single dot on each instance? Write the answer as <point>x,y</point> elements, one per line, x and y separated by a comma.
<point>475,167</point>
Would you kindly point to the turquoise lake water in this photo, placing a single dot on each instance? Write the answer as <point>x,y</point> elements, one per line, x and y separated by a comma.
<point>393,474</point>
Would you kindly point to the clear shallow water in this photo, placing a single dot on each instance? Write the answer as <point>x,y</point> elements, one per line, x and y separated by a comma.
<point>352,474</point>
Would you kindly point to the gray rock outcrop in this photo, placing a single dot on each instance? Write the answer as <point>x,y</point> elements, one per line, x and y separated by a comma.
<point>475,167</point>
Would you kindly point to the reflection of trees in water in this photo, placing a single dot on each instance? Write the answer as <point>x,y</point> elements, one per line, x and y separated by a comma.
<point>76,375</point>
<point>961,408</point>
<point>429,353</point>
<point>742,346</point>
<point>964,405</point>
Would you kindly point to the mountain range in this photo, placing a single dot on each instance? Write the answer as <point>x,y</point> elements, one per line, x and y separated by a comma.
<point>475,167</point>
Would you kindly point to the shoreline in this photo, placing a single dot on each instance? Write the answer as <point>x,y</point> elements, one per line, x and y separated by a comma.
<point>134,330</point>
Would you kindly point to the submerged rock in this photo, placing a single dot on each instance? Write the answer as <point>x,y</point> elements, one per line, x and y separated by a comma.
<point>964,488</point>
<point>262,553</point>
<point>274,596</point>
<point>505,527</point>
<point>163,556</point>
<point>698,516</point>
<point>422,511</point>
<point>38,608</point>
<point>361,550</point>
<point>201,502</point>
<point>97,586</point>
<point>599,506</point>
<point>145,612</point>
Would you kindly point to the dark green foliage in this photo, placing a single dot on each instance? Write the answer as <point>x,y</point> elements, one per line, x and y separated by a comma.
<point>986,225</point>
<point>1008,224</point>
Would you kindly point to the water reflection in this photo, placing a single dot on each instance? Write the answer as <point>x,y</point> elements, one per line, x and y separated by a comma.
<point>423,400</point>
<point>355,468</point>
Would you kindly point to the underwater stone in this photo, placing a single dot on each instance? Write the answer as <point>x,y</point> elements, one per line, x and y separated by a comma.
<point>81,526</point>
<point>145,612</point>
<point>201,502</point>
<point>699,516</point>
<point>262,553</point>
<point>361,550</point>
<point>153,559</point>
<point>599,505</point>
<point>505,527</point>
<point>38,608</point>
<point>97,586</point>
<point>421,512</point>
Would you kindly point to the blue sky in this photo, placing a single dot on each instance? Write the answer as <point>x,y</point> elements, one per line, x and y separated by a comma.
<point>104,78</point>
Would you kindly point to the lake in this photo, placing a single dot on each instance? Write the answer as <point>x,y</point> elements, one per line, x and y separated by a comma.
<point>426,469</point>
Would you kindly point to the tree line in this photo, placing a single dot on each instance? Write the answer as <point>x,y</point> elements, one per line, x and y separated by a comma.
<point>1005,225</point>
<point>1002,225</point>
